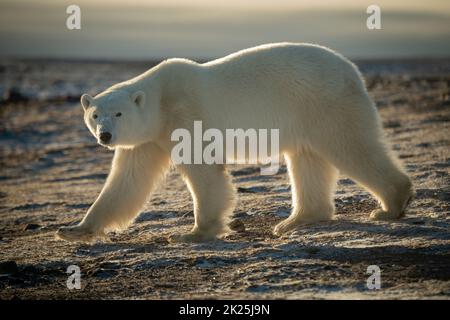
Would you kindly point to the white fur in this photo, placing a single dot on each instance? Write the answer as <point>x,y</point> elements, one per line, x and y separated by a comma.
<point>316,98</point>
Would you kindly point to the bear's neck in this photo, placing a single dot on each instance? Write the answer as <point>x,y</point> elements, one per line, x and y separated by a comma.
<point>181,91</point>
<point>179,83</point>
<point>171,79</point>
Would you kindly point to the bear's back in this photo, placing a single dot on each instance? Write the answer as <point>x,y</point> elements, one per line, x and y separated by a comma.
<point>281,63</point>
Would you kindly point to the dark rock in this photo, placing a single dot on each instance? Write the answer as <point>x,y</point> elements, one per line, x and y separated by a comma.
<point>30,269</point>
<point>14,95</point>
<point>110,265</point>
<point>406,156</point>
<point>103,273</point>
<point>8,267</point>
<point>346,182</point>
<point>258,288</point>
<point>253,189</point>
<point>245,171</point>
<point>159,202</point>
<point>444,196</point>
<point>423,145</point>
<point>392,124</point>
<point>312,250</point>
<point>237,225</point>
<point>399,102</point>
<point>160,240</point>
<point>328,267</point>
<point>70,98</point>
<point>241,214</point>
<point>31,226</point>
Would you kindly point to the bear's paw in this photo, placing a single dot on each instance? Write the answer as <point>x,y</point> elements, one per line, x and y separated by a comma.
<point>381,215</point>
<point>191,237</point>
<point>78,234</point>
<point>286,226</point>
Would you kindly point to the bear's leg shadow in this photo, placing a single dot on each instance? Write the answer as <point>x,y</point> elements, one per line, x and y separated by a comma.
<point>214,200</point>
<point>313,182</point>
<point>134,174</point>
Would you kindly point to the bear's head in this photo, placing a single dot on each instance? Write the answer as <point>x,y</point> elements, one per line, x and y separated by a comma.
<point>119,118</point>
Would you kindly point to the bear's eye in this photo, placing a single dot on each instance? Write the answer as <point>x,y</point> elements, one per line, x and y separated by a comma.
<point>118,114</point>
<point>95,116</point>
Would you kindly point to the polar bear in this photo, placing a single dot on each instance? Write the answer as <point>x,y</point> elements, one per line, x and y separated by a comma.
<point>313,95</point>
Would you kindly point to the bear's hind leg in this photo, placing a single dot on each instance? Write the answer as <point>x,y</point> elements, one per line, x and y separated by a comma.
<point>370,164</point>
<point>313,182</point>
<point>214,200</point>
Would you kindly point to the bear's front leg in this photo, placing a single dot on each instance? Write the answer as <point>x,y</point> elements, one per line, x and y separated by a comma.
<point>134,174</point>
<point>214,200</point>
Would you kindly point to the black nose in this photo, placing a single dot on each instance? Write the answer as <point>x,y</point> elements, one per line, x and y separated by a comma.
<point>105,137</point>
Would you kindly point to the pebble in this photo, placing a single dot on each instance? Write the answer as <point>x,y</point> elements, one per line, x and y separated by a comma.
<point>237,225</point>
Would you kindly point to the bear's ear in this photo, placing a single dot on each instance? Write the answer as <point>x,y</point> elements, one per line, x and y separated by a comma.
<point>86,101</point>
<point>138,98</point>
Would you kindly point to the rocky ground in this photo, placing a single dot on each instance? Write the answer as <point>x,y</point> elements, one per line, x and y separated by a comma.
<point>51,170</point>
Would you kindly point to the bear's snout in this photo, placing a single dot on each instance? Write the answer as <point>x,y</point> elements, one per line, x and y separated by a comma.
<point>105,137</point>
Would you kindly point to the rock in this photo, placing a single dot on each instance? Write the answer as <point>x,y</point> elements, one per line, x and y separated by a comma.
<point>71,98</point>
<point>241,214</point>
<point>237,225</point>
<point>31,226</point>
<point>8,267</point>
<point>444,196</point>
<point>423,145</point>
<point>312,250</point>
<point>110,265</point>
<point>157,202</point>
<point>346,182</point>
<point>245,171</point>
<point>392,124</point>
<point>103,273</point>
<point>258,288</point>
<point>283,212</point>
<point>14,95</point>
<point>253,189</point>
<point>30,269</point>
<point>161,240</point>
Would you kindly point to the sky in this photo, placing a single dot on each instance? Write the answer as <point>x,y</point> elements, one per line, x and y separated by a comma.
<point>155,29</point>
